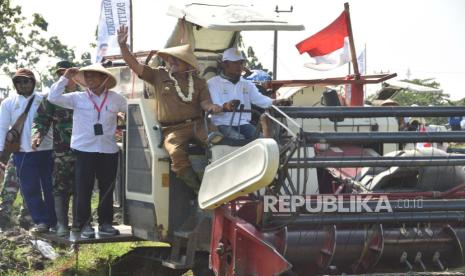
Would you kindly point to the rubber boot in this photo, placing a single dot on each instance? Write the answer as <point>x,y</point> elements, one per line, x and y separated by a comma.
<point>5,215</point>
<point>61,210</point>
<point>5,221</point>
<point>190,178</point>
<point>24,218</point>
<point>75,227</point>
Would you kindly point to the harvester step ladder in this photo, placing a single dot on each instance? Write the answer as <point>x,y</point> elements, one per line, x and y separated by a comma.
<point>178,259</point>
<point>182,234</point>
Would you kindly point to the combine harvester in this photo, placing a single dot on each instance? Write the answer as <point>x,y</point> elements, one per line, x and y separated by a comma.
<point>351,152</point>
<point>330,192</point>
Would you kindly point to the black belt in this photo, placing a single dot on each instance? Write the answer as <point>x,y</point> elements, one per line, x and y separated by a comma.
<point>180,122</point>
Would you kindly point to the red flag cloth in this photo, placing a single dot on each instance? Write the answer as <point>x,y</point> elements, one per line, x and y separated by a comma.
<point>327,40</point>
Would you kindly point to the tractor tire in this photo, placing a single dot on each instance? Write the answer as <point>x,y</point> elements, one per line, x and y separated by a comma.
<point>201,265</point>
<point>134,263</point>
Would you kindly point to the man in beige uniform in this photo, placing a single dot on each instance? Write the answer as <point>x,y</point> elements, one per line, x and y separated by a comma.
<point>180,98</point>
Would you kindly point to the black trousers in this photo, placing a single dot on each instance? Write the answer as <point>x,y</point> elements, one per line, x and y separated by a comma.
<point>91,166</point>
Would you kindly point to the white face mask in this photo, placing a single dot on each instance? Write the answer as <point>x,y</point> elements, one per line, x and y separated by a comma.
<point>102,85</point>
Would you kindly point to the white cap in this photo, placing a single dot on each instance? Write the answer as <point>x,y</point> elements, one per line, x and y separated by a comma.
<point>232,54</point>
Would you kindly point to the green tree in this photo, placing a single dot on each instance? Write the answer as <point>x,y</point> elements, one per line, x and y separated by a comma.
<point>406,97</point>
<point>252,61</point>
<point>24,43</point>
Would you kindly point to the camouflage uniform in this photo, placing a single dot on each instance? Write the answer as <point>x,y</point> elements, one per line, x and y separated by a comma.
<point>10,189</point>
<point>63,171</point>
<point>62,120</point>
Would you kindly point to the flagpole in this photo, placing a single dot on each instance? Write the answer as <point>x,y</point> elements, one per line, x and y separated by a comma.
<point>275,54</point>
<point>131,38</point>
<point>365,51</point>
<point>356,91</point>
<point>275,44</point>
<point>351,41</point>
<point>365,68</point>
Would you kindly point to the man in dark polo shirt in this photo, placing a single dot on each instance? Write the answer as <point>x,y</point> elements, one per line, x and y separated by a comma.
<point>181,97</point>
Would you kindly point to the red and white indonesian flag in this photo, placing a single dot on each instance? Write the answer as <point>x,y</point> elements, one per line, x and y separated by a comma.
<point>329,48</point>
<point>113,14</point>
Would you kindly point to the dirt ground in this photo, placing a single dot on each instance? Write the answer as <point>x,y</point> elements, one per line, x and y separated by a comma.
<point>17,253</point>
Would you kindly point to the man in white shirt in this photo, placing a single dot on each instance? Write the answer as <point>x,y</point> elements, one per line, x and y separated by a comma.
<point>33,167</point>
<point>93,140</point>
<point>229,89</point>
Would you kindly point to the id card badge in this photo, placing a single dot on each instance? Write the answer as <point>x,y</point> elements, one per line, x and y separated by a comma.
<point>98,129</point>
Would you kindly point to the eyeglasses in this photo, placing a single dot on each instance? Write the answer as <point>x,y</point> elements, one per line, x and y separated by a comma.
<point>22,81</point>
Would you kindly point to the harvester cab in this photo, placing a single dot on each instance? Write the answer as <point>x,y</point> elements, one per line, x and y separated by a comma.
<point>159,206</point>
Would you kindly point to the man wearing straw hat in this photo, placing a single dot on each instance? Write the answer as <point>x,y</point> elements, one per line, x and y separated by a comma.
<point>61,121</point>
<point>181,97</point>
<point>93,141</point>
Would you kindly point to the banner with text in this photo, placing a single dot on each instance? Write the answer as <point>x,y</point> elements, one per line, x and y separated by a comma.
<point>113,14</point>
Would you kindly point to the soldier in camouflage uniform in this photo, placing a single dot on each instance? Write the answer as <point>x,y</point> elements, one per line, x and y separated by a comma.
<point>61,118</point>
<point>10,189</point>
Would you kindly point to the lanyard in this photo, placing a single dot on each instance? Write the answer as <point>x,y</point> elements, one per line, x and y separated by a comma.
<point>99,109</point>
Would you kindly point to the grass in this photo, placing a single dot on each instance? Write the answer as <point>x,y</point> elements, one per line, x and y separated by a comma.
<point>94,259</point>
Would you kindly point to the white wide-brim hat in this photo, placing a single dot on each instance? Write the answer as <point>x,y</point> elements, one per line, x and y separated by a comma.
<point>96,67</point>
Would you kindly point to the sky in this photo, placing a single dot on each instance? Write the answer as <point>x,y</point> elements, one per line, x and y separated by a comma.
<point>424,37</point>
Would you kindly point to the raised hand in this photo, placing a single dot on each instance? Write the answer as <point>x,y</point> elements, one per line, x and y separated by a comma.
<point>71,72</point>
<point>122,35</point>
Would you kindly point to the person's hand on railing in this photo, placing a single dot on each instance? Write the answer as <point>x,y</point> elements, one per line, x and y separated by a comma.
<point>282,102</point>
<point>231,105</point>
<point>214,108</point>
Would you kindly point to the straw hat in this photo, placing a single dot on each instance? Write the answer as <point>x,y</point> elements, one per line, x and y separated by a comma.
<point>182,52</point>
<point>96,67</point>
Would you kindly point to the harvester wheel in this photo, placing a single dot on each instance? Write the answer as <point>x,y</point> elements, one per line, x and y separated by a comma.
<point>201,266</point>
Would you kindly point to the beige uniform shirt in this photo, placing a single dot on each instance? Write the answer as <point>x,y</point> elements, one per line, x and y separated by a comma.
<point>170,107</point>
